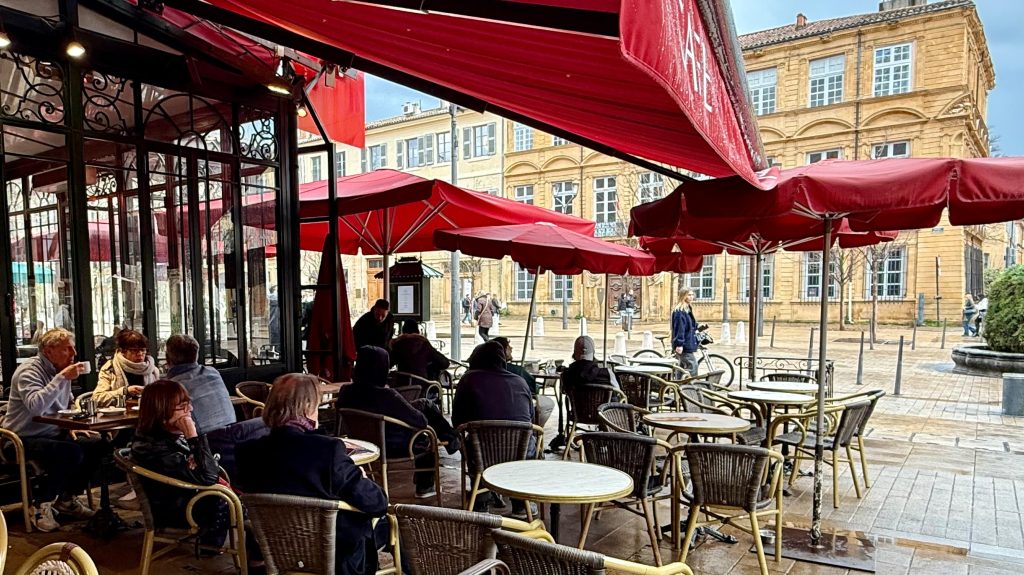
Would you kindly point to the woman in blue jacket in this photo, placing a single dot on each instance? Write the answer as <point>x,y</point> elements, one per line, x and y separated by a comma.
<point>684,333</point>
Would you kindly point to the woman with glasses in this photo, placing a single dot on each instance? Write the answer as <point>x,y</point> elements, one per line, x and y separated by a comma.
<point>127,372</point>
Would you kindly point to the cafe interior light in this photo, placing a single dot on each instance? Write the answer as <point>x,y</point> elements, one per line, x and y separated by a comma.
<point>75,49</point>
<point>5,40</point>
<point>301,111</point>
<point>278,88</point>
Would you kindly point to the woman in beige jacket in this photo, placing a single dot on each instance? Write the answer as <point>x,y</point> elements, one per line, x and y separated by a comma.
<point>128,371</point>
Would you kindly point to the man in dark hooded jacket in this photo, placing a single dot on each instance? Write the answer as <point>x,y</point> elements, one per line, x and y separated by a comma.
<point>489,391</point>
<point>369,392</point>
<point>413,353</point>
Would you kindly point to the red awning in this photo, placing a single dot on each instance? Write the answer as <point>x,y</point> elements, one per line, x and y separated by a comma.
<point>548,247</point>
<point>656,79</point>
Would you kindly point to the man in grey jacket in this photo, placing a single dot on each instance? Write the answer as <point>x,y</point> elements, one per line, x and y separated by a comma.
<point>211,405</point>
<point>42,386</point>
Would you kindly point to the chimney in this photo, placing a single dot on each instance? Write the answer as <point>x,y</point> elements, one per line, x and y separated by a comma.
<point>801,21</point>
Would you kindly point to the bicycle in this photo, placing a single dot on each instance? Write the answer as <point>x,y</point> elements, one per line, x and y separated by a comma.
<point>708,361</point>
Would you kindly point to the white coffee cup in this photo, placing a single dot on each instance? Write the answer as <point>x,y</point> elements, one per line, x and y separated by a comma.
<point>84,367</point>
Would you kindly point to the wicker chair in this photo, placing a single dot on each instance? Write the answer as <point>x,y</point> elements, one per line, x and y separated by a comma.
<point>368,426</point>
<point>789,376</point>
<point>82,397</point>
<point>873,396</point>
<point>59,559</point>
<point>647,391</point>
<point>633,455</point>
<point>255,394</point>
<point>714,378</point>
<point>802,440</point>
<point>410,392</point>
<point>173,536</point>
<point>429,388</point>
<point>297,534</point>
<point>439,541</point>
<point>488,567</point>
<point>622,417</point>
<point>490,442</point>
<point>738,478</point>
<point>525,556</point>
<point>698,397</point>
<point>15,468</point>
<point>584,401</point>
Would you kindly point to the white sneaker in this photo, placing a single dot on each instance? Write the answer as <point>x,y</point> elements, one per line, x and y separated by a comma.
<point>129,501</point>
<point>42,518</point>
<point>74,508</point>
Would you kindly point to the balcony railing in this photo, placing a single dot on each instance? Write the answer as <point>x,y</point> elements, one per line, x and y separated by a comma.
<point>610,229</point>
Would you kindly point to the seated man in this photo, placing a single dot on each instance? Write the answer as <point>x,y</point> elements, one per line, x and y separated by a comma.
<point>42,386</point>
<point>369,392</point>
<point>584,369</point>
<point>413,353</point>
<point>545,404</point>
<point>211,405</point>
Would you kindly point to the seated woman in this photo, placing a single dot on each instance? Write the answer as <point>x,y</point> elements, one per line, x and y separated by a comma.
<point>166,442</point>
<point>294,460</point>
<point>128,371</point>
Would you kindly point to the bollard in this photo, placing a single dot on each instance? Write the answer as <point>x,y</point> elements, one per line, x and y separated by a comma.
<point>538,327</point>
<point>899,368</point>
<point>431,330</point>
<point>648,341</point>
<point>620,343</point>
<point>1013,394</point>
<point>943,344</point>
<point>583,326</point>
<point>772,342</point>
<point>810,347</point>
<point>913,338</point>
<point>741,333</point>
<point>495,327</point>
<point>726,336</point>
<point>860,361</point>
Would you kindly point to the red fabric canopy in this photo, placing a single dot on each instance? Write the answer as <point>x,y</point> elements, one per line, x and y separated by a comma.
<point>548,247</point>
<point>660,86</point>
<point>873,195</point>
<point>386,211</point>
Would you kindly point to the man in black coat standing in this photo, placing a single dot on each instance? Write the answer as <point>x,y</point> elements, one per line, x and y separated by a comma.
<point>375,327</point>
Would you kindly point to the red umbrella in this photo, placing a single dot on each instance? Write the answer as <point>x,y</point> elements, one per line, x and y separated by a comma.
<point>544,246</point>
<point>322,350</point>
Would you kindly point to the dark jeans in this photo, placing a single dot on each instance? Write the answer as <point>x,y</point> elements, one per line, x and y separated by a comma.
<point>69,464</point>
<point>485,333</point>
<point>398,443</point>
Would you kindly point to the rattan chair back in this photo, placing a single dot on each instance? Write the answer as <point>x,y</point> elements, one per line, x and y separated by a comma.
<point>296,534</point>
<point>621,417</point>
<point>59,559</point>
<point>637,387</point>
<point>14,467</point>
<point>789,376</point>
<point>693,399</point>
<point>410,392</point>
<point>525,556</point>
<point>851,421</point>
<point>714,377</point>
<point>874,397</point>
<point>490,442</point>
<point>585,401</point>
<point>630,453</point>
<point>437,540</point>
<point>255,394</point>
<point>364,425</point>
<point>724,475</point>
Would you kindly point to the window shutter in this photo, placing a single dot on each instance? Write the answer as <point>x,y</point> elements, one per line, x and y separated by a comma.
<point>362,161</point>
<point>428,149</point>
<point>490,139</point>
<point>399,154</point>
<point>383,155</point>
<point>467,143</point>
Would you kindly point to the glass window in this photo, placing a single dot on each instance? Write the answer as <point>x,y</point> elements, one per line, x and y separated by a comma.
<point>767,271</point>
<point>522,137</point>
<point>812,276</point>
<point>415,152</point>
<point>524,194</point>
<point>339,163</point>
<point>826,80</point>
<point>478,141</point>
<point>703,282</point>
<point>524,284</point>
<point>891,150</point>
<point>563,195</point>
<point>813,157</point>
<point>652,186</point>
<point>561,287</point>
<point>892,69</point>
<point>315,171</point>
<point>444,147</point>
<point>377,156</point>
<point>606,207</point>
<point>761,84</point>
<point>558,141</point>
<point>890,272</point>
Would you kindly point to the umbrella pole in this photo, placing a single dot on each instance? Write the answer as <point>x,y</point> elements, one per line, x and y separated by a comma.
<point>753,299</point>
<point>826,253</point>
<point>604,343</point>
<point>529,318</point>
<point>386,254</point>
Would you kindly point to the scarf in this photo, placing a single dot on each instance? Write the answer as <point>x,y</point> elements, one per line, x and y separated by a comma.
<point>122,366</point>
<point>302,423</point>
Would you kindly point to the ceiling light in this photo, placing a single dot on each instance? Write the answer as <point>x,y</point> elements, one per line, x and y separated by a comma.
<point>5,40</point>
<point>279,89</point>
<point>301,111</point>
<point>75,49</point>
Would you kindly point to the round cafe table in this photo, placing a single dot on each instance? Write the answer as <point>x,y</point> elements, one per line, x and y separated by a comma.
<point>647,368</point>
<point>669,361</point>
<point>557,482</point>
<point>361,452</point>
<point>784,386</point>
<point>769,400</point>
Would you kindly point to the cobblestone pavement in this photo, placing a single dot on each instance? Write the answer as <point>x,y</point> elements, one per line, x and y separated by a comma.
<point>947,470</point>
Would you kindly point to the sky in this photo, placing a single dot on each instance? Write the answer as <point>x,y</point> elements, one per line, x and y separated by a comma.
<point>1001,19</point>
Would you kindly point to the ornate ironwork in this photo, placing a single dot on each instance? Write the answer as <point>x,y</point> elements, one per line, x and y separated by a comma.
<point>33,89</point>
<point>105,186</point>
<point>101,96</point>
<point>257,134</point>
<point>15,199</point>
<point>188,121</point>
<point>803,365</point>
